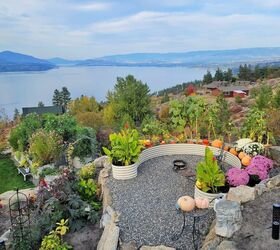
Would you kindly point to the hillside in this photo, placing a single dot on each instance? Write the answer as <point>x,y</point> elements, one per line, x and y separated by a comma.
<point>13,62</point>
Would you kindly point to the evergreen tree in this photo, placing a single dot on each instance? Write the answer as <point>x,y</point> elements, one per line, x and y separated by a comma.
<point>16,114</point>
<point>228,75</point>
<point>207,78</point>
<point>276,99</point>
<point>165,98</point>
<point>41,104</point>
<point>65,96</point>
<point>264,98</point>
<point>57,100</point>
<point>219,76</point>
<point>223,115</point>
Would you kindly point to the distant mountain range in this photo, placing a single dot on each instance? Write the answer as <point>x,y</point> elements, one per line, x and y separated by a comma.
<point>11,61</point>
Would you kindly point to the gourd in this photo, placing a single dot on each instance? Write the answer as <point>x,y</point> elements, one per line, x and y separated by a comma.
<point>233,151</point>
<point>217,143</point>
<point>186,203</point>
<point>201,203</point>
<point>241,155</point>
<point>246,160</point>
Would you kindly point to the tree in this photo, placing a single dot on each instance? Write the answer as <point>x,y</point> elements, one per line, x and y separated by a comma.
<point>41,104</point>
<point>57,99</point>
<point>16,115</point>
<point>207,78</point>
<point>190,90</point>
<point>131,97</point>
<point>245,73</point>
<point>219,76</point>
<point>228,76</point>
<point>65,96</point>
<point>264,98</point>
<point>223,118</point>
<point>165,98</point>
<point>276,99</point>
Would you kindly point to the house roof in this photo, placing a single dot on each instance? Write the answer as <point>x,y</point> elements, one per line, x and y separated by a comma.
<point>216,84</point>
<point>57,110</point>
<point>233,88</point>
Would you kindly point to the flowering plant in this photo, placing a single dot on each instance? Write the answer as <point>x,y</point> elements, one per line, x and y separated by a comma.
<point>241,143</point>
<point>257,170</point>
<point>262,160</point>
<point>253,149</point>
<point>236,177</point>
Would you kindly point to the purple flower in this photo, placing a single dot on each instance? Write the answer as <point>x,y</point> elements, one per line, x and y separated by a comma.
<point>262,161</point>
<point>257,169</point>
<point>236,177</point>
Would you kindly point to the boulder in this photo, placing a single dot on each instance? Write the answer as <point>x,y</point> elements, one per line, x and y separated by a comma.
<point>241,194</point>
<point>110,237</point>
<point>228,217</point>
<point>212,240</point>
<point>227,245</point>
<point>275,153</point>
<point>161,247</point>
<point>100,162</point>
<point>274,182</point>
<point>4,197</point>
<point>128,246</point>
<point>109,216</point>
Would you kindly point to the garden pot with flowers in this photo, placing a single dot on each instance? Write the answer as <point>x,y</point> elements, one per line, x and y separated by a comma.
<point>210,179</point>
<point>125,150</point>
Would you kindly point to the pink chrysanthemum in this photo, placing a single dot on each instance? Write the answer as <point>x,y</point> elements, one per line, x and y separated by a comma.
<point>236,177</point>
<point>259,170</point>
<point>262,161</point>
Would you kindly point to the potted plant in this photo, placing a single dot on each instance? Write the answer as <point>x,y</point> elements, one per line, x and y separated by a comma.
<point>210,179</point>
<point>124,153</point>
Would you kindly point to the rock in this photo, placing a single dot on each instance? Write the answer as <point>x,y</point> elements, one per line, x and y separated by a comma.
<point>241,194</point>
<point>4,197</point>
<point>273,182</point>
<point>161,247</point>
<point>235,108</point>
<point>128,246</point>
<point>110,237</point>
<point>227,245</point>
<point>100,162</point>
<point>103,175</point>
<point>275,153</point>
<point>261,188</point>
<point>229,218</point>
<point>109,216</point>
<point>212,240</point>
<point>6,237</point>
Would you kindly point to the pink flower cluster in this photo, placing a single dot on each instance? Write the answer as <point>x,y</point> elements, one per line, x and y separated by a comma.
<point>236,177</point>
<point>259,166</point>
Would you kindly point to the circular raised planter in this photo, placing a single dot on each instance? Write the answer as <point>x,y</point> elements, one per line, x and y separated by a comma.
<point>124,172</point>
<point>184,148</point>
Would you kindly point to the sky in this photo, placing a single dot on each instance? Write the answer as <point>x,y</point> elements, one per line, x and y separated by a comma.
<point>81,29</point>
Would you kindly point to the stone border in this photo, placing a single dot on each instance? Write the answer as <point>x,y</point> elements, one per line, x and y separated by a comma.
<point>184,148</point>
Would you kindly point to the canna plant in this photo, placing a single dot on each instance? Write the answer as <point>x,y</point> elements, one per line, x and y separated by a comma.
<point>125,147</point>
<point>208,174</point>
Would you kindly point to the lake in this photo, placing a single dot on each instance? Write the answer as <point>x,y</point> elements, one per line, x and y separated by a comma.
<point>25,89</point>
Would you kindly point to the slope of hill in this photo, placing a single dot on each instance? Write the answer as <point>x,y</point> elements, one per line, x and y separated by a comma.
<point>63,62</point>
<point>12,62</point>
<point>191,59</point>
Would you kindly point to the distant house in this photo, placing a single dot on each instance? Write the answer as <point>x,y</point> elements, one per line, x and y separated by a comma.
<point>231,91</point>
<point>57,110</point>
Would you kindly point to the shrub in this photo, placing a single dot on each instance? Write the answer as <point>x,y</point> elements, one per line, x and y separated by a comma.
<point>238,99</point>
<point>45,147</point>
<point>253,149</point>
<point>86,143</point>
<point>87,171</point>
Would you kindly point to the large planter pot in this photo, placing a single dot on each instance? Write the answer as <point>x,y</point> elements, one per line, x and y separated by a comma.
<point>124,172</point>
<point>203,195</point>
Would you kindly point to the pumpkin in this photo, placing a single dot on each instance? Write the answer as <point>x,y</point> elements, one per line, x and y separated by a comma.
<point>226,148</point>
<point>205,142</point>
<point>246,160</point>
<point>201,203</point>
<point>241,155</point>
<point>186,203</point>
<point>233,151</point>
<point>162,142</point>
<point>217,143</point>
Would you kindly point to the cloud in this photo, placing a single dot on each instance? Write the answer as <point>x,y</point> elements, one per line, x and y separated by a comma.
<point>93,6</point>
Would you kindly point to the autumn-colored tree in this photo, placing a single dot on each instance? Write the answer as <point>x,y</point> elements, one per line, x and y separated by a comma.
<point>190,90</point>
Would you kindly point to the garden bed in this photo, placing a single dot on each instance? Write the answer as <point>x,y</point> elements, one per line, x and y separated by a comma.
<point>147,203</point>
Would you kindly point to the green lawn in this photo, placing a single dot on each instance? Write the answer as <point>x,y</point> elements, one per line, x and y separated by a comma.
<point>9,177</point>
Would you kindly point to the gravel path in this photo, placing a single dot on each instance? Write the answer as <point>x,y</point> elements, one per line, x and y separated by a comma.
<point>147,203</point>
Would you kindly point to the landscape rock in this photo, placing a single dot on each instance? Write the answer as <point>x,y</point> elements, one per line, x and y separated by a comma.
<point>274,182</point>
<point>229,218</point>
<point>161,247</point>
<point>275,153</point>
<point>261,188</point>
<point>100,162</point>
<point>4,197</point>
<point>109,216</point>
<point>103,175</point>
<point>110,237</point>
<point>128,245</point>
<point>241,194</point>
<point>212,240</point>
<point>227,245</point>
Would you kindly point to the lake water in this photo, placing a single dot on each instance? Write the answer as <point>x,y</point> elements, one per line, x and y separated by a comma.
<point>25,89</point>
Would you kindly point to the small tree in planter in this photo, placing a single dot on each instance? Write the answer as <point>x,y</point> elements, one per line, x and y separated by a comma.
<point>124,153</point>
<point>210,178</point>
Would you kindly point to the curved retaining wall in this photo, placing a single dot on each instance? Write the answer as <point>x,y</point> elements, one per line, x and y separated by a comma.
<point>184,148</point>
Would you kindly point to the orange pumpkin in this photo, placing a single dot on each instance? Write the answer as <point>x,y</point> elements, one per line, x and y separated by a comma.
<point>217,143</point>
<point>226,148</point>
<point>241,155</point>
<point>246,160</point>
<point>186,203</point>
<point>233,151</point>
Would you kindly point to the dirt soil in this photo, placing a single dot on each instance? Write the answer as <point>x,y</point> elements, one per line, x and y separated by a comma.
<point>255,233</point>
